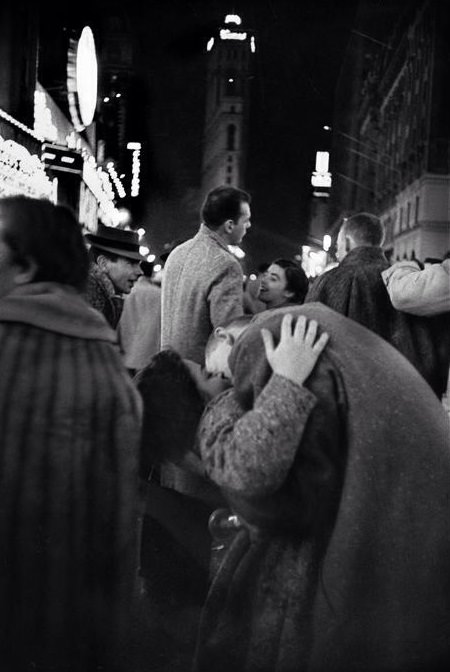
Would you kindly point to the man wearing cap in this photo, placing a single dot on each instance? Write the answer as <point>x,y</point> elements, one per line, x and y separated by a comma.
<point>115,267</point>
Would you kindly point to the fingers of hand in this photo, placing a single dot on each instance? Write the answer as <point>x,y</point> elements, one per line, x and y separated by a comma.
<point>299,331</point>
<point>311,333</point>
<point>286,327</point>
<point>321,343</point>
<point>268,342</point>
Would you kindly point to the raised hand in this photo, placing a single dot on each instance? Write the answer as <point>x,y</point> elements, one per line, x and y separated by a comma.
<point>297,352</point>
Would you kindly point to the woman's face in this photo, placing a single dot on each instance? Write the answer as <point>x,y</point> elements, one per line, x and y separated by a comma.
<point>273,290</point>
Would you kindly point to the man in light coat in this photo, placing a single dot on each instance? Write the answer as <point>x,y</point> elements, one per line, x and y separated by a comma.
<point>203,281</point>
<point>202,288</point>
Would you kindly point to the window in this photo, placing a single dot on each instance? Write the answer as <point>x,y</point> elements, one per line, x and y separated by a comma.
<point>231,84</point>
<point>231,137</point>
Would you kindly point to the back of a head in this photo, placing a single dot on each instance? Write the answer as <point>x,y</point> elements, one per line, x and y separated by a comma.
<point>48,235</point>
<point>147,268</point>
<point>233,327</point>
<point>221,204</point>
<point>296,279</point>
<point>172,409</point>
<point>364,229</point>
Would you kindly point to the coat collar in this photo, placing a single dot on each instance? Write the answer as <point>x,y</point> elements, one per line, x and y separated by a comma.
<point>57,308</point>
<point>364,253</point>
<point>206,232</point>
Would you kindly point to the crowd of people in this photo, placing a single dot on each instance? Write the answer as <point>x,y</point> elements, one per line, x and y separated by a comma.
<point>270,463</point>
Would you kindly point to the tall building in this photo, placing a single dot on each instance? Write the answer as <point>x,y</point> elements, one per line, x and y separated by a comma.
<point>392,127</point>
<point>227,105</point>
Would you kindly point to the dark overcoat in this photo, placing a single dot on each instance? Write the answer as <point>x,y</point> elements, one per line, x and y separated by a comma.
<point>356,289</point>
<point>69,438</point>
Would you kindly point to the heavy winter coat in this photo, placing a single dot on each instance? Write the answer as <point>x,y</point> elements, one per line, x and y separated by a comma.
<point>202,288</point>
<point>356,289</point>
<point>419,291</point>
<point>342,565</point>
<point>69,438</point>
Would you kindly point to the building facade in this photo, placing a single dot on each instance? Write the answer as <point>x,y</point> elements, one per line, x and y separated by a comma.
<point>48,112</point>
<point>391,148</point>
<point>227,105</point>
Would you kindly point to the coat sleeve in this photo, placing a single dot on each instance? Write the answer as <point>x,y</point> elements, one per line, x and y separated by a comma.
<point>252,452</point>
<point>420,292</point>
<point>226,295</point>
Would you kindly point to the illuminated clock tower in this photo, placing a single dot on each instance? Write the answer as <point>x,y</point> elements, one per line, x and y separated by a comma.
<point>227,103</point>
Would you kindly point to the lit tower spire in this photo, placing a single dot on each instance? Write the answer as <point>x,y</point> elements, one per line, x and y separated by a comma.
<point>227,102</point>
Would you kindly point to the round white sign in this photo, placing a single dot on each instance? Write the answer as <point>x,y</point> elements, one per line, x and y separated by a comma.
<point>86,75</point>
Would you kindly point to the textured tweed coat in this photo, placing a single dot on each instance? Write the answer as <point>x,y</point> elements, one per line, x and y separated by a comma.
<point>344,563</point>
<point>356,289</point>
<point>69,434</point>
<point>202,288</point>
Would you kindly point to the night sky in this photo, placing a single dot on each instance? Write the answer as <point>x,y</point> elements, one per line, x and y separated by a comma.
<point>299,52</point>
<point>300,45</point>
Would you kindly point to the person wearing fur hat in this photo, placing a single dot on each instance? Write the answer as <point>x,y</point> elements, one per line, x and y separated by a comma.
<point>115,267</point>
<point>341,562</point>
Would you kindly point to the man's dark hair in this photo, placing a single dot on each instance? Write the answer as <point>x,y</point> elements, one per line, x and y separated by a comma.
<point>49,235</point>
<point>296,279</point>
<point>223,203</point>
<point>365,229</point>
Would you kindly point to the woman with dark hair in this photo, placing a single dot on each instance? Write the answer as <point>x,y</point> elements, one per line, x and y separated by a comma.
<point>284,283</point>
<point>69,432</point>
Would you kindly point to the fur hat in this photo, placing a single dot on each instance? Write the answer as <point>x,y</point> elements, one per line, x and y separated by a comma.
<point>116,241</point>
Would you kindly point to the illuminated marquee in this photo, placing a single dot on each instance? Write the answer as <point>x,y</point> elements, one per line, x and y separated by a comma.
<point>136,167</point>
<point>22,172</point>
<point>227,34</point>
<point>96,180</point>
<point>321,177</point>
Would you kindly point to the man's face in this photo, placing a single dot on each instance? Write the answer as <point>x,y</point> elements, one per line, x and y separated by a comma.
<point>341,244</point>
<point>241,225</point>
<point>123,273</point>
<point>272,290</point>
<point>8,269</point>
